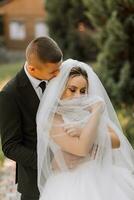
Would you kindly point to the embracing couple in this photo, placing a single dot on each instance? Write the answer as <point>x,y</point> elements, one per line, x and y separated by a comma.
<point>59,126</point>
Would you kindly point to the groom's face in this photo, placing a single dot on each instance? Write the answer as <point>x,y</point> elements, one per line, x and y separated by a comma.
<point>44,71</point>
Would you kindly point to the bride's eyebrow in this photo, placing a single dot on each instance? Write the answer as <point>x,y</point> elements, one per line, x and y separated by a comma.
<point>83,88</point>
<point>72,86</point>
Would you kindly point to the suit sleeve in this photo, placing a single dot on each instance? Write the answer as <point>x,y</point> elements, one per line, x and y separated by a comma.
<point>11,133</point>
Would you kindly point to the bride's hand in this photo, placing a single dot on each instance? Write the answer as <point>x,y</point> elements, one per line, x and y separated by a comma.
<point>98,107</point>
<point>74,131</point>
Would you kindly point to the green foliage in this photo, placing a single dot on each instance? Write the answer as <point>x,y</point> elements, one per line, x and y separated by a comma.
<point>114,24</point>
<point>1,157</point>
<point>9,70</point>
<point>64,20</point>
<point>126,117</point>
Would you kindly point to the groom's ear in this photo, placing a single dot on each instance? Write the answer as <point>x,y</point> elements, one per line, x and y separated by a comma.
<point>31,68</point>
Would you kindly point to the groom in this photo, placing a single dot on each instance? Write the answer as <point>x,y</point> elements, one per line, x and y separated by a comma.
<point>19,102</point>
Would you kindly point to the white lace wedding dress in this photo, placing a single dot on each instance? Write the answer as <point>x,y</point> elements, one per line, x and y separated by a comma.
<point>84,183</point>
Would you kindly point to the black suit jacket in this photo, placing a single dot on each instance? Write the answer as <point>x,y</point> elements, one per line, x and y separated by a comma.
<point>18,106</point>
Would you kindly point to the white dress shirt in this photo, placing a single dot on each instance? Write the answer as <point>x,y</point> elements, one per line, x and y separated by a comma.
<point>35,82</point>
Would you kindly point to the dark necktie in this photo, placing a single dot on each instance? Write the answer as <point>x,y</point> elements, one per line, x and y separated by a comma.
<point>42,85</point>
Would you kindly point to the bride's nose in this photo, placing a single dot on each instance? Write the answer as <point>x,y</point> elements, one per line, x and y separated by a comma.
<point>77,94</point>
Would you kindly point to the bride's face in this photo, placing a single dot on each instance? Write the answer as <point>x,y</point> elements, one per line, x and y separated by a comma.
<point>76,87</point>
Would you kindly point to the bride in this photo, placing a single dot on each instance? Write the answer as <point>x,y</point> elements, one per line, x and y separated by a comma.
<point>76,118</point>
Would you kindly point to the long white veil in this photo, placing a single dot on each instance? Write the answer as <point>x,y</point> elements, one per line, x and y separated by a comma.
<point>104,157</point>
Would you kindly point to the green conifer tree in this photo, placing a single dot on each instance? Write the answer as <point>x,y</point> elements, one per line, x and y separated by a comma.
<point>64,19</point>
<point>114,24</point>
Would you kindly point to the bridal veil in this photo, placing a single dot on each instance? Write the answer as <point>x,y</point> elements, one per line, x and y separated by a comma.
<point>103,156</point>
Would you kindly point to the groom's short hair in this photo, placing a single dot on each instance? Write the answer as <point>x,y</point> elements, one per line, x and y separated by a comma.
<point>45,49</point>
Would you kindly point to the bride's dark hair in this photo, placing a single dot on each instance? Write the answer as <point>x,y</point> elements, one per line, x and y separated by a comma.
<point>78,71</point>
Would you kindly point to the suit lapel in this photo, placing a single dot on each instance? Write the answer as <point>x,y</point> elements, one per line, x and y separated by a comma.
<point>27,91</point>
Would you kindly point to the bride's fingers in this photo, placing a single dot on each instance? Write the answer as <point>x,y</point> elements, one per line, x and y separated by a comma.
<point>69,126</point>
<point>73,134</point>
<point>70,131</point>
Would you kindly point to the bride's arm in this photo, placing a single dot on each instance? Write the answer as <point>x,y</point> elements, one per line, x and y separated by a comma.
<point>76,132</point>
<point>114,138</point>
<point>78,145</point>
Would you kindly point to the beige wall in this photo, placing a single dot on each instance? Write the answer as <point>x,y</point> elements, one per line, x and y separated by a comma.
<point>27,11</point>
<point>24,7</point>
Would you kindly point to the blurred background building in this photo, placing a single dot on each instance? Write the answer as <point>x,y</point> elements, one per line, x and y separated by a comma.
<point>20,22</point>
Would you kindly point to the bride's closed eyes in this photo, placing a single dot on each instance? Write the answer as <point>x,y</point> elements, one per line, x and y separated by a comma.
<point>76,87</point>
<point>73,89</point>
